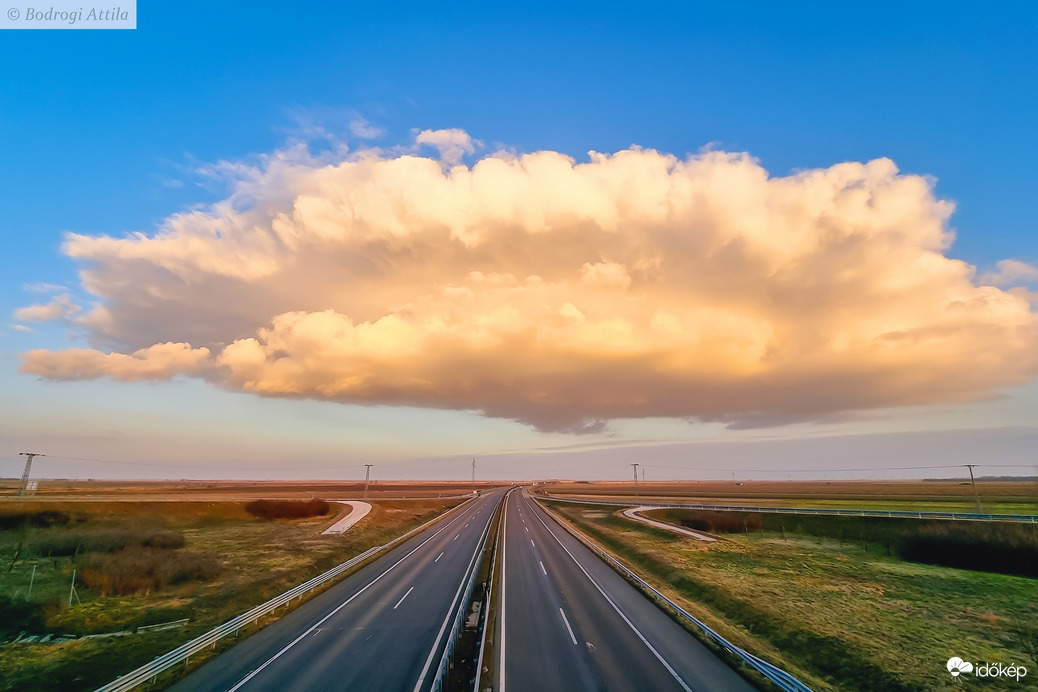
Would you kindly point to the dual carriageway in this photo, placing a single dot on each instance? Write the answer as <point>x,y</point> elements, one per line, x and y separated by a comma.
<point>563,620</point>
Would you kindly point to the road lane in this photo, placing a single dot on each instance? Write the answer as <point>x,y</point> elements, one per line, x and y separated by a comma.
<point>374,630</point>
<point>570,622</point>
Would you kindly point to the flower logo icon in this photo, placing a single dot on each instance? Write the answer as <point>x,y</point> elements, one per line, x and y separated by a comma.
<point>956,666</point>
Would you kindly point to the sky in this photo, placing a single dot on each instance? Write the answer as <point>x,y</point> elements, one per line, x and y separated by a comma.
<point>253,241</point>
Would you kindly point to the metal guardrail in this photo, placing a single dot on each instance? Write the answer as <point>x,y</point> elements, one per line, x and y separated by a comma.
<point>489,603</point>
<point>781,678</point>
<point>959,516</point>
<point>183,653</point>
<point>163,626</point>
<point>443,670</point>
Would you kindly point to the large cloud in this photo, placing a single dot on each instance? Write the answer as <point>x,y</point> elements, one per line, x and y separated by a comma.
<point>557,293</point>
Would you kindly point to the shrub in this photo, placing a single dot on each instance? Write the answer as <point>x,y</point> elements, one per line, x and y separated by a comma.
<point>143,570</point>
<point>991,548</point>
<point>19,616</point>
<point>38,519</point>
<point>58,542</point>
<point>720,522</point>
<point>1004,547</point>
<point>287,509</point>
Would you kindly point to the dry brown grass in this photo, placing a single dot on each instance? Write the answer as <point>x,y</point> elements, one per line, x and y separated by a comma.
<point>223,491</point>
<point>259,559</point>
<point>998,496</point>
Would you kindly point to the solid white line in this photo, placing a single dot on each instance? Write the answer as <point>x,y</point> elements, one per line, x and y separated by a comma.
<point>542,567</point>
<point>568,628</point>
<point>504,577</point>
<point>438,557</point>
<point>619,612</point>
<point>403,597</point>
<point>450,611</point>
<point>342,605</point>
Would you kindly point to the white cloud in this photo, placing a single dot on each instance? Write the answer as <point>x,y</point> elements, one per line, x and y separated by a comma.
<point>1011,272</point>
<point>59,307</point>
<point>558,293</point>
<point>452,144</point>
<point>360,127</point>
<point>41,287</point>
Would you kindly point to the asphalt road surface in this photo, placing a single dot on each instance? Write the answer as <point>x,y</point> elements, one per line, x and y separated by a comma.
<point>383,628</point>
<point>567,621</point>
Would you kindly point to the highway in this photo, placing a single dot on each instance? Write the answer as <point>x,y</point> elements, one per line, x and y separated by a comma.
<point>382,628</point>
<point>567,621</point>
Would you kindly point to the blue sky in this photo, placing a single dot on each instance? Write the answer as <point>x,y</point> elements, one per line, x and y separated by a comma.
<point>101,131</point>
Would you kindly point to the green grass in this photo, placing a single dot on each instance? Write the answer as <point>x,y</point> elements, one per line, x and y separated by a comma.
<point>259,559</point>
<point>834,615</point>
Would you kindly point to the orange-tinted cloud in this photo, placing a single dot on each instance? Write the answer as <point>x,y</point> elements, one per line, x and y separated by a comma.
<point>563,294</point>
<point>158,362</point>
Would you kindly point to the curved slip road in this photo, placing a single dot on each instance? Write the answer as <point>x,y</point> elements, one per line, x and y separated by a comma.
<point>359,510</point>
<point>382,628</point>
<point>567,621</point>
<point>633,513</point>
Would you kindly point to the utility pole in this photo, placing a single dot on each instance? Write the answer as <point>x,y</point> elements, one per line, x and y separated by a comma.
<point>976,494</point>
<point>643,475</point>
<point>72,590</point>
<point>635,472</point>
<point>473,469</point>
<point>25,474</point>
<point>367,477</point>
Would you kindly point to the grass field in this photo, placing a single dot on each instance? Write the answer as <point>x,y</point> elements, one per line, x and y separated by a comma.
<point>216,491</point>
<point>838,617</point>
<point>257,560</point>
<point>996,497</point>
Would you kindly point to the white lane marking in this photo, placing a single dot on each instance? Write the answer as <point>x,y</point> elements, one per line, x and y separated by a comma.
<point>527,529</point>
<point>619,612</point>
<point>342,605</point>
<point>438,557</point>
<point>451,610</point>
<point>456,537</point>
<point>542,568</point>
<point>504,578</point>
<point>403,597</point>
<point>532,543</point>
<point>466,526</point>
<point>568,628</point>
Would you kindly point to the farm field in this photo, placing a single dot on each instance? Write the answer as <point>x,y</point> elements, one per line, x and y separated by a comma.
<point>997,497</point>
<point>66,489</point>
<point>839,613</point>
<point>155,562</point>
